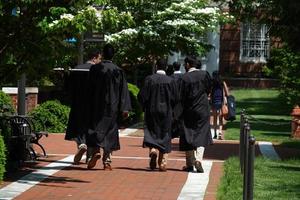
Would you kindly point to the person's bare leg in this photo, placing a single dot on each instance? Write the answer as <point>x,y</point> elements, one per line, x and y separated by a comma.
<point>221,135</point>
<point>215,123</point>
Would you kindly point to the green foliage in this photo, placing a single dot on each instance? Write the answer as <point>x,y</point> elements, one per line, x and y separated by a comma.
<point>163,26</point>
<point>273,179</point>
<point>269,119</point>
<point>6,109</point>
<point>285,65</point>
<point>51,116</point>
<point>2,157</point>
<point>136,113</point>
<point>231,183</point>
<point>35,33</point>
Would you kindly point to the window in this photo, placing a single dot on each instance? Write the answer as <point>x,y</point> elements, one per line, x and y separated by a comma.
<point>255,43</point>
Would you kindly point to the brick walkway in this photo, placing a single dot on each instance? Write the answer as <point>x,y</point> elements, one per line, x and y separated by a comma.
<point>130,178</point>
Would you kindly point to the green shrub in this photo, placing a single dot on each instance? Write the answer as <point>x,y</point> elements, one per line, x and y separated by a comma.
<point>136,114</point>
<point>6,109</point>
<point>51,116</point>
<point>2,157</point>
<point>285,65</point>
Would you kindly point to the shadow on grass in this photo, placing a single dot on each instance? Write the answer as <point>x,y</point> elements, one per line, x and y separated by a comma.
<point>265,125</point>
<point>264,106</point>
<point>288,168</point>
<point>292,144</point>
<point>277,134</point>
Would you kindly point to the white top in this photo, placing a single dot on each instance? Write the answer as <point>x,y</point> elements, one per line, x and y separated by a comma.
<point>193,69</point>
<point>161,72</point>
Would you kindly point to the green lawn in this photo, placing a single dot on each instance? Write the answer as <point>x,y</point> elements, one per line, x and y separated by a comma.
<point>270,121</point>
<point>272,180</point>
<point>269,116</point>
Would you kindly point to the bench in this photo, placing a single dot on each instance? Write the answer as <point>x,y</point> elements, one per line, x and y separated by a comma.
<point>23,136</point>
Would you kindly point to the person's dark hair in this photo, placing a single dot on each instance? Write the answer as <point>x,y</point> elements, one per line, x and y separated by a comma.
<point>216,78</point>
<point>176,66</point>
<point>93,54</point>
<point>191,60</point>
<point>161,64</point>
<point>108,52</point>
<point>199,64</point>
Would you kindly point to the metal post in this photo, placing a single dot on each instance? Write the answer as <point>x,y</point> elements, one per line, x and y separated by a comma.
<point>22,95</point>
<point>80,50</point>
<point>241,145</point>
<point>250,178</point>
<point>245,157</point>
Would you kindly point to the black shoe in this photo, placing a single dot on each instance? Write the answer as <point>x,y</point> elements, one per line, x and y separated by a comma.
<point>188,169</point>
<point>81,150</point>
<point>92,162</point>
<point>199,167</point>
<point>153,157</point>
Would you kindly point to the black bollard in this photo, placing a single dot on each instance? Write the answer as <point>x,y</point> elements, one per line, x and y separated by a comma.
<point>245,159</point>
<point>250,178</point>
<point>241,145</point>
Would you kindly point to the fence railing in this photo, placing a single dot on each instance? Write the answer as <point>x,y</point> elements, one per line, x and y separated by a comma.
<point>247,156</point>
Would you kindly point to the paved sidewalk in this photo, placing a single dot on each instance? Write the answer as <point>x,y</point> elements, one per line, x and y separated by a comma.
<point>130,178</point>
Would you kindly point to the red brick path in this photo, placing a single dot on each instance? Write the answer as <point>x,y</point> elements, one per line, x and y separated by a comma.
<point>130,178</point>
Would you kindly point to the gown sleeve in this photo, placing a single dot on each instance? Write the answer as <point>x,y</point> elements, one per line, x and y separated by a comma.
<point>144,94</point>
<point>125,104</point>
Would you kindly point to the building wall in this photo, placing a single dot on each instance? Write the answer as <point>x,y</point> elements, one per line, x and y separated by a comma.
<point>31,97</point>
<point>230,64</point>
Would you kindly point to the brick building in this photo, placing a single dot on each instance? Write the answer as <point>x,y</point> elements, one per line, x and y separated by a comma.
<point>31,96</point>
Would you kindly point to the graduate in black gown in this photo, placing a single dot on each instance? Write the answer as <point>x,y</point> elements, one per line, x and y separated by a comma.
<point>108,100</point>
<point>177,123</point>
<point>195,88</point>
<point>77,84</point>
<point>158,98</point>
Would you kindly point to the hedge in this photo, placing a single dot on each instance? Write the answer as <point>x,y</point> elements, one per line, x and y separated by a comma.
<point>51,116</point>
<point>6,109</point>
<point>2,157</point>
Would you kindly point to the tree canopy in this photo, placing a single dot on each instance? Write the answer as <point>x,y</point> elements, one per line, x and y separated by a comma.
<point>34,33</point>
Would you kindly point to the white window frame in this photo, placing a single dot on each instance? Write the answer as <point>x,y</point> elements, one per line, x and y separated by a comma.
<point>255,43</point>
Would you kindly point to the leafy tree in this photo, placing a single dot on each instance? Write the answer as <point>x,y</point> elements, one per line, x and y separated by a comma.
<point>33,33</point>
<point>285,65</point>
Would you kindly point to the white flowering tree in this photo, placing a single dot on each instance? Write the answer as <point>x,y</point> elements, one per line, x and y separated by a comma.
<point>167,26</point>
<point>34,32</point>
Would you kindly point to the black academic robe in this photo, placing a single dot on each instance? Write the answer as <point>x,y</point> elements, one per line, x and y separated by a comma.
<point>77,84</point>
<point>108,98</point>
<point>158,98</point>
<point>195,87</point>
<point>177,124</point>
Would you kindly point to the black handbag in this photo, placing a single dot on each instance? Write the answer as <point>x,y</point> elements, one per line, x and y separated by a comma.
<point>231,108</point>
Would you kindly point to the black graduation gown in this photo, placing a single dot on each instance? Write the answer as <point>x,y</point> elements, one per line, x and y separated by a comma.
<point>158,98</point>
<point>77,84</point>
<point>108,98</point>
<point>195,87</point>
<point>177,124</point>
